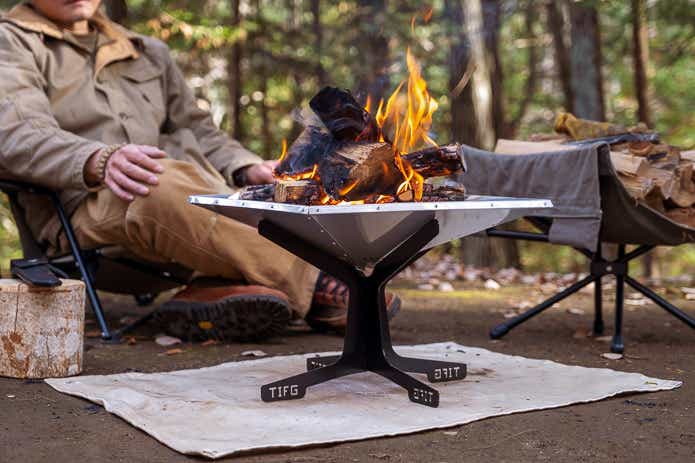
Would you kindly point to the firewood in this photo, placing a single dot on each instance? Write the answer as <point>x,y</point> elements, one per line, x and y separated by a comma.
<point>306,151</point>
<point>437,161</point>
<point>688,155</point>
<point>344,117</point>
<point>297,192</point>
<point>356,170</point>
<point>433,193</point>
<point>42,335</point>
<point>638,187</point>
<point>682,215</point>
<point>258,192</point>
<point>629,165</point>
<point>683,194</point>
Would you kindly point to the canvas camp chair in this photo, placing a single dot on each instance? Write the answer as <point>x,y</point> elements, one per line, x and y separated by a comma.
<point>591,207</point>
<point>107,268</point>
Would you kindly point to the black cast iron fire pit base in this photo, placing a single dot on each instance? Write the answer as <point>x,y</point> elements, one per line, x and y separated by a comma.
<point>367,345</point>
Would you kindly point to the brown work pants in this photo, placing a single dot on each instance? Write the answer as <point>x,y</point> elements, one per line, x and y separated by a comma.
<point>163,227</point>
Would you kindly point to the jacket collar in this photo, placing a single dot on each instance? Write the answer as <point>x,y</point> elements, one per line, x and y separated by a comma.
<point>120,43</point>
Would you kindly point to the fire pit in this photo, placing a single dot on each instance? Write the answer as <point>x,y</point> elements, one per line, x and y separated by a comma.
<point>365,246</point>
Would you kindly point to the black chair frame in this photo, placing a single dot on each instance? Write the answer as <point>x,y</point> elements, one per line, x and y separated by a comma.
<point>599,267</point>
<point>83,264</point>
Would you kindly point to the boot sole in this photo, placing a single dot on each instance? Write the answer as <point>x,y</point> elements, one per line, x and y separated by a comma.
<point>237,318</point>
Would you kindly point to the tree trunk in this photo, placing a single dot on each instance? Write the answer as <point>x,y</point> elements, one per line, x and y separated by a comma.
<point>585,56</point>
<point>317,29</point>
<point>234,77</point>
<point>263,78</point>
<point>532,66</point>
<point>556,24</point>
<point>374,47</point>
<point>480,81</point>
<point>640,54</point>
<point>472,120</point>
<point>492,10</point>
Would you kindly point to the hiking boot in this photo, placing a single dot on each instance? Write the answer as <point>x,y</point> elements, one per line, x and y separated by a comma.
<point>225,313</point>
<point>329,307</point>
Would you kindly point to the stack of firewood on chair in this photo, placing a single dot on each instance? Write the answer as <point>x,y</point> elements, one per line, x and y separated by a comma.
<point>655,173</point>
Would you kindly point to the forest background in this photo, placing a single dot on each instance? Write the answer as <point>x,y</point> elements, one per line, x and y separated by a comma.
<point>253,62</point>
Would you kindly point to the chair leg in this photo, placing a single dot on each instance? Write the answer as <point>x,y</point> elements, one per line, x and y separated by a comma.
<point>598,307</point>
<point>617,344</point>
<point>661,302</point>
<point>598,298</point>
<point>84,270</point>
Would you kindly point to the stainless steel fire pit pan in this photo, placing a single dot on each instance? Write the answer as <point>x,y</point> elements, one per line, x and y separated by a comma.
<point>364,234</point>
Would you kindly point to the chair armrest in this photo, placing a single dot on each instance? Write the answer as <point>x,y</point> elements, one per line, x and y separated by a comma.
<point>12,186</point>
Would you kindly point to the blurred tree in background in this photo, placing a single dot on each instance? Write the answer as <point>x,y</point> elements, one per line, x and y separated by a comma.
<point>253,62</point>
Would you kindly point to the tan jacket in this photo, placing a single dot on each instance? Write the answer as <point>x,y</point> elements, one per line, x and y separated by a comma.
<point>59,105</point>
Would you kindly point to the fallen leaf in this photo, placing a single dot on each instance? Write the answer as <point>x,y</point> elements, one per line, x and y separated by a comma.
<point>209,342</point>
<point>575,311</point>
<point>611,356</point>
<point>451,433</point>
<point>166,341</point>
<point>175,351</point>
<point>492,284</point>
<point>510,314</point>
<point>425,287</point>
<point>603,338</point>
<point>131,341</point>
<point>253,353</point>
<point>582,333</point>
<point>11,396</point>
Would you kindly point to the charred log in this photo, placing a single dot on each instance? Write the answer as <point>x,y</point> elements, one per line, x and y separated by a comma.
<point>437,161</point>
<point>258,192</point>
<point>306,151</point>
<point>344,117</point>
<point>356,170</point>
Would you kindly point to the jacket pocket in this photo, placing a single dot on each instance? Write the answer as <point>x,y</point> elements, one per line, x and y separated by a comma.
<point>143,84</point>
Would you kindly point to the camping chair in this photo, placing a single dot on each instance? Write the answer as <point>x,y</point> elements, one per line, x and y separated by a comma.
<point>592,208</point>
<point>106,268</point>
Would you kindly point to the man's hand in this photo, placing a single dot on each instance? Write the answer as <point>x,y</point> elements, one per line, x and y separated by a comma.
<point>130,170</point>
<point>259,174</point>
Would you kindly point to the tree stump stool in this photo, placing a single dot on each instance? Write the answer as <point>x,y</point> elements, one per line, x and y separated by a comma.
<point>41,329</point>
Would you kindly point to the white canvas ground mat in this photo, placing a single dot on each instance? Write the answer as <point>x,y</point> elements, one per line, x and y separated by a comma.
<point>217,411</point>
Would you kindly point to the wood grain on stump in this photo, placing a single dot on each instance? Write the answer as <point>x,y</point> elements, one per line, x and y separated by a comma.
<point>41,329</point>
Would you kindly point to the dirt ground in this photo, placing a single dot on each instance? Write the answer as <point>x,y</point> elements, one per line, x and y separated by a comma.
<point>38,424</point>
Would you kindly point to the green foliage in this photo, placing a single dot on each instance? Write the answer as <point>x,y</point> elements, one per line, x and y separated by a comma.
<point>280,67</point>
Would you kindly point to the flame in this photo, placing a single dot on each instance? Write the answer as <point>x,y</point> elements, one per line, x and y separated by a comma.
<point>283,155</point>
<point>408,117</point>
<point>348,188</point>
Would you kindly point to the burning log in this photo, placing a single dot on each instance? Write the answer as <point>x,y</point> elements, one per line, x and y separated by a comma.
<point>433,193</point>
<point>437,161</point>
<point>258,192</point>
<point>356,170</point>
<point>306,152</point>
<point>305,192</point>
<point>343,116</point>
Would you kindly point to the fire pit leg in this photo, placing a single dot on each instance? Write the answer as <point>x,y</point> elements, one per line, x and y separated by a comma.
<point>367,345</point>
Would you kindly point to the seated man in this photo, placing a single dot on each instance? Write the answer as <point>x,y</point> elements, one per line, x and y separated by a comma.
<point>104,116</point>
